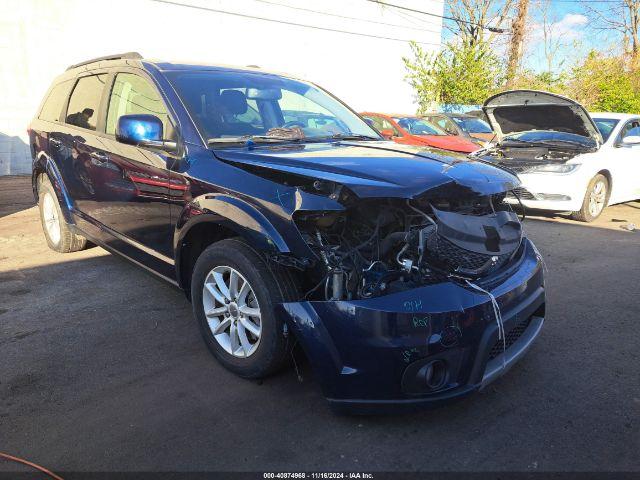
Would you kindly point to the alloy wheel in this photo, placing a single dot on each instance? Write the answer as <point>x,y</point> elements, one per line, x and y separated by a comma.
<point>50,218</point>
<point>597,198</point>
<point>232,311</point>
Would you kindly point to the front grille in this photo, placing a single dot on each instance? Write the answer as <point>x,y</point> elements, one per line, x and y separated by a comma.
<point>522,193</point>
<point>453,258</point>
<point>515,167</point>
<point>510,338</point>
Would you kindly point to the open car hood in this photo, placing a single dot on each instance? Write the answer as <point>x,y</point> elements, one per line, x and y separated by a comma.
<point>376,169</point>
<point>517,111</point>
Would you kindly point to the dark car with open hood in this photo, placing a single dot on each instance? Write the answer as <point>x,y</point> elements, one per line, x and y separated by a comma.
<point>401,272</point>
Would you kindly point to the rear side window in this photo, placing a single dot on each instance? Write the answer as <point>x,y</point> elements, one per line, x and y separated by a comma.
<point>132,94</point>
<point>85,101</point>
<point>52,107</point>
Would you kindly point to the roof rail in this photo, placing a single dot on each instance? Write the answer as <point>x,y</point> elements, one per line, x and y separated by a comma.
<point>116,56</point>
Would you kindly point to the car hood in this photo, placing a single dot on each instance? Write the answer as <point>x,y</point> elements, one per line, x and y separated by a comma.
<point>449,142</point>
<point>483,136</point>
<point>517,111</point>
<point>376,169</point>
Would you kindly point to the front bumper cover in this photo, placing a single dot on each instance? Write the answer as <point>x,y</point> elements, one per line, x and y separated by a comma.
<point>368,354</point>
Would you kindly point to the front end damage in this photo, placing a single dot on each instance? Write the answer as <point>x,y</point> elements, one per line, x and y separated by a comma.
<point>399,311</point>
<point>413,298</point>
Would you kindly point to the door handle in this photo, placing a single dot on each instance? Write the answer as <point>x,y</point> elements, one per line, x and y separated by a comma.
<point>100,157</point>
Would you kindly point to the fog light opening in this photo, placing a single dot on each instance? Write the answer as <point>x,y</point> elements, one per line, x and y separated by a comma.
<point>435,374</point>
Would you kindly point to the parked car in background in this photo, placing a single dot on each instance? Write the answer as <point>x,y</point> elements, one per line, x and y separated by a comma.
<point>466,126</point>
<point>413,130</point>
<point>318,121</point>
<point>400,271</point>
<point>566,159</point>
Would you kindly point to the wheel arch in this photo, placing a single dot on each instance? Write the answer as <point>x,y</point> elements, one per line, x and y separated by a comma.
<point>217,217</point>
<point>43,166</point>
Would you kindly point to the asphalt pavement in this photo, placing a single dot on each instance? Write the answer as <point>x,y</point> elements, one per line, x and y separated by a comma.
<point>102,368</point>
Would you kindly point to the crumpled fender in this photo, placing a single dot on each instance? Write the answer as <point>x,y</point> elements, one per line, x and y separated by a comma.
<point>234,214</point>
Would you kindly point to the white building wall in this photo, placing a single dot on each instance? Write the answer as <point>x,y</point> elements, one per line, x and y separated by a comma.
<point>40,38</point>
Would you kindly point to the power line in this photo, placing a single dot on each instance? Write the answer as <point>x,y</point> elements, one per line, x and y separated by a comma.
<point>265,19</point>
<point>491,29</point>
<point>415,20</point>
<point>346,17</point>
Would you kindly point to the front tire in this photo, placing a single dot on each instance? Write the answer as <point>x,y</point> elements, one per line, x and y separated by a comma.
<point>595,199</point>
<point>56,230</point>
<point>233,294</point>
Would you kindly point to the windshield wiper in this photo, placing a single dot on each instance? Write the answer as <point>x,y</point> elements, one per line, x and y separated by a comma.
<point>556,143</point>
<point>547,143</point>
<point>250,138</point>
<point>351,136</point>
<point>517,140</point>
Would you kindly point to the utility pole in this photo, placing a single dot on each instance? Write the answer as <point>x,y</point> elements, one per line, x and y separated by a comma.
<point>517,38</point>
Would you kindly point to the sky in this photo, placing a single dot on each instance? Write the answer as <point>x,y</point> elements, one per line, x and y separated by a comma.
<point>571,29</point>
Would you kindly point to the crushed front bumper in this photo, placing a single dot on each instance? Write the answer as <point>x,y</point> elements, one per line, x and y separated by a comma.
<point>371,356</point>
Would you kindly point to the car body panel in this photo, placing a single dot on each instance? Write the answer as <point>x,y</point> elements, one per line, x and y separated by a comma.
<point>376,169</point>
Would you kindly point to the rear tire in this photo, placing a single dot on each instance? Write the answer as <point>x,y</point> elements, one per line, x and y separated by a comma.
<point>595,200</point>
<point>238,322</point>
<point>56,230</point>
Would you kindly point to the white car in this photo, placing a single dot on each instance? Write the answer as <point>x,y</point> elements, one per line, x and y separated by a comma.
<point>566,159</point>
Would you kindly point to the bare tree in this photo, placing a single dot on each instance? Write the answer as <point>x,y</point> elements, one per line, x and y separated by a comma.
<point>518,27</point>
<point>470,16</point>
<point>622,17</point>
<point>552,39</point>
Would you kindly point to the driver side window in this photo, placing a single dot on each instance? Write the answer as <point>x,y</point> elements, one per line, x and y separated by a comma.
<point>132,94</point>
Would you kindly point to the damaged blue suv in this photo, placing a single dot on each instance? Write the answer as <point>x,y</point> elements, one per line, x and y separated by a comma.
<point>401,272</point>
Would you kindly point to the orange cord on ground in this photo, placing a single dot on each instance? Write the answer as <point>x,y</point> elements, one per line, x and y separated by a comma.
<point>30,464</point>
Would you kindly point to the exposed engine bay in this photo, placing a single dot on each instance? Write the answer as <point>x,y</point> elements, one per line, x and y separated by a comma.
<point>521,159</point>
<point>381,246</point>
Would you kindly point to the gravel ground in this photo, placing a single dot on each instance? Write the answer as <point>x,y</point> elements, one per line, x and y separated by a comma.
<point>102,369</point>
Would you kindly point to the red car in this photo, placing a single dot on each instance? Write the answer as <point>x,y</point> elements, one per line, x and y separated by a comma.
<point>413,130</point>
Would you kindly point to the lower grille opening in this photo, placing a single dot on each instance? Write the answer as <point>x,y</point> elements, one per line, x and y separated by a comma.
<point>510,338</point>
<point>452,257</point>
<point>522,193</point>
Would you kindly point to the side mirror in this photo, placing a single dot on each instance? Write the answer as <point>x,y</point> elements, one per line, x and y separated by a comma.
<point>631,140</point>
<point>387,133</point>
<point>144,131</point>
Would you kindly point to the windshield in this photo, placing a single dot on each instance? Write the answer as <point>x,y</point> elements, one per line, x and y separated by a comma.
<point>230,105</point>
<point>550,137</point>
<point>472,125</point>
<point>606,126</point>
<point>418,126</point>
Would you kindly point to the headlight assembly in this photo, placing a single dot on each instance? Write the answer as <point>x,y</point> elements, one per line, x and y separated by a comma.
<point>555,168</point>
